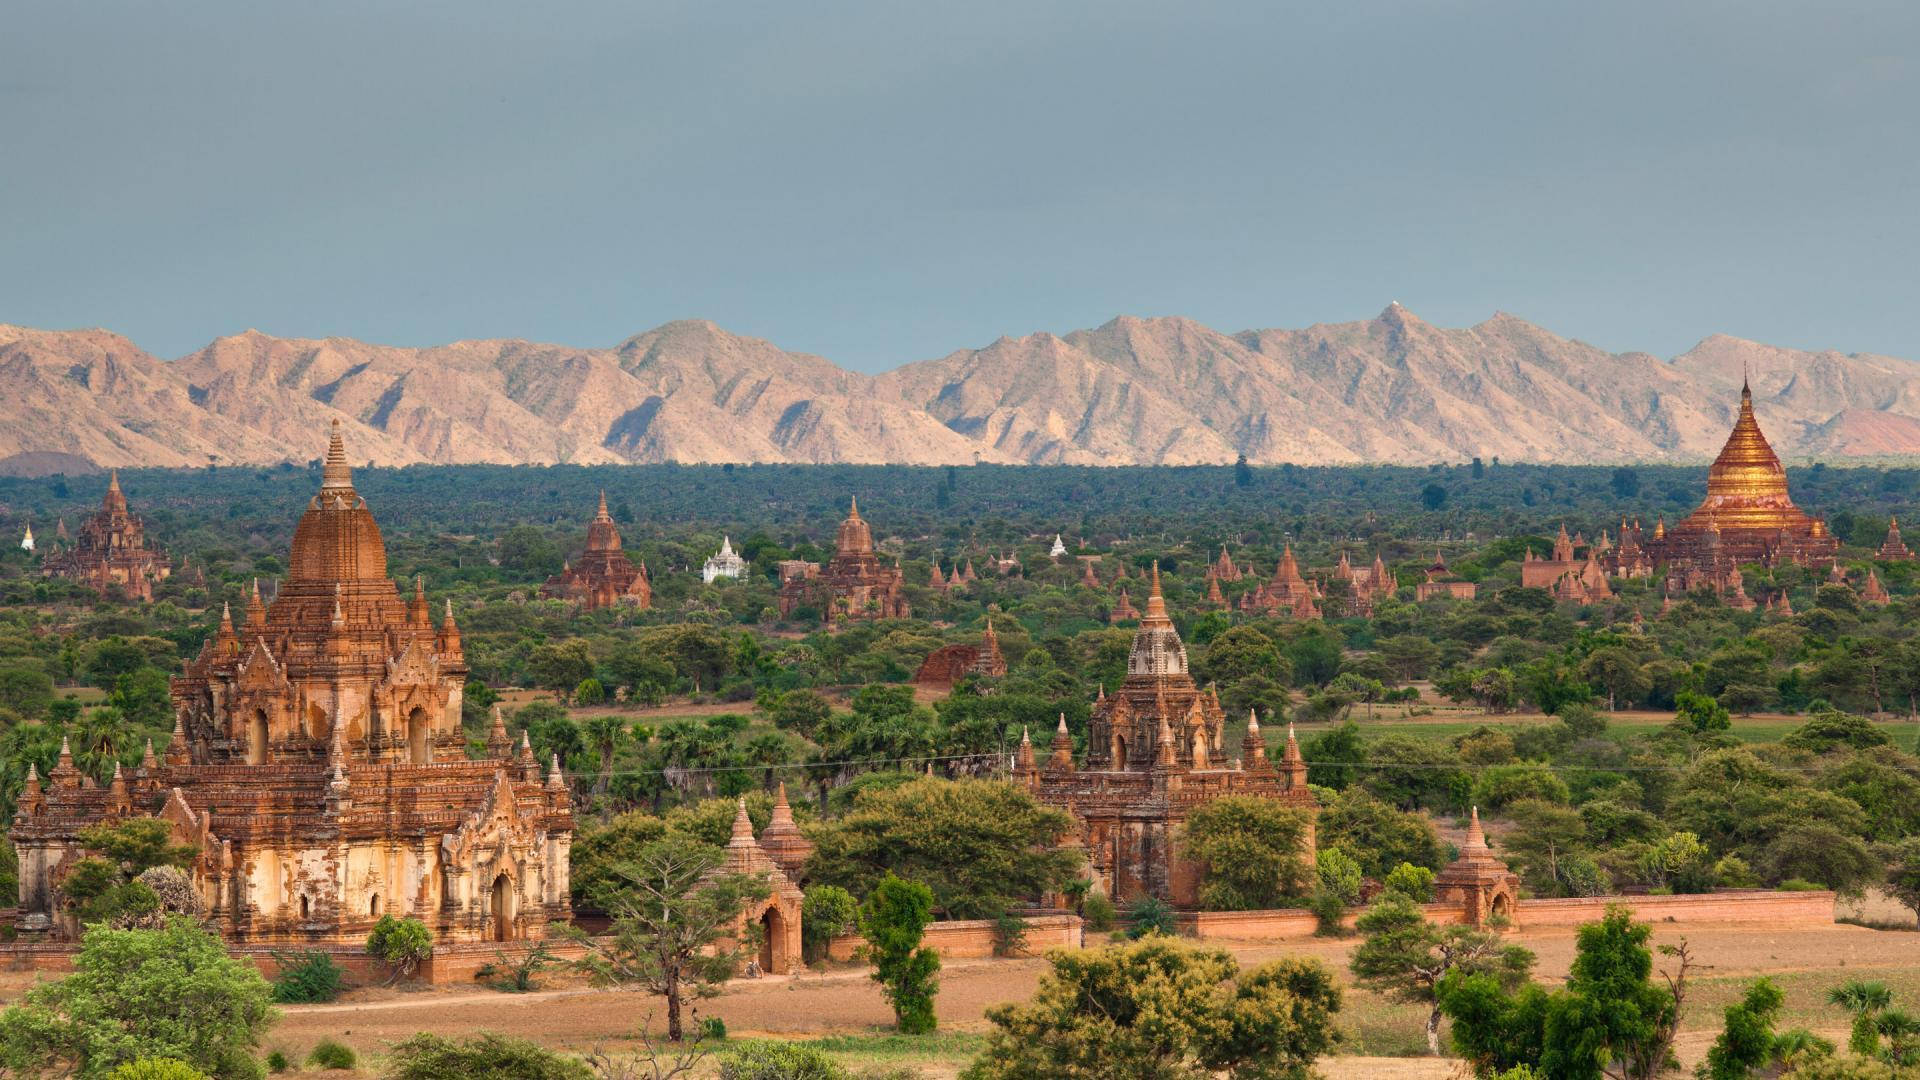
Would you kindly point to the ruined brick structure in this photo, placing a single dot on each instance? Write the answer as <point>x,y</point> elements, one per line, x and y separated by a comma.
<point>1154,755</point>
<point>1893,549</point>
<point>604,576</point>
<point>854,585</point>
<point>1442,582</point>
<point>111,550</point>
<point>318,763</point>
<point>949,664</point>
<point>777,918</point>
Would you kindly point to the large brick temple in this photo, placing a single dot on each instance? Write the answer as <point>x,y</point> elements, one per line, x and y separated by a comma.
<point>1156,753</point>
<point>854,585</point>
<point>111,550</point>
<point>318,763</point>
<point>604,576</point>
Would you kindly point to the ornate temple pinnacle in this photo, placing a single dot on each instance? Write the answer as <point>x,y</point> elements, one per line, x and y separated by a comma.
<point>336,475</point>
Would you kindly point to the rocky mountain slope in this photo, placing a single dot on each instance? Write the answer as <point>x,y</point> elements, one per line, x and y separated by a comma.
<point>1134,391</point>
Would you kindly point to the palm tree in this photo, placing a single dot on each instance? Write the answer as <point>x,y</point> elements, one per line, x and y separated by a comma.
<point>1863,998</point>
<point>605,733</point>
<point>1902,1032</point>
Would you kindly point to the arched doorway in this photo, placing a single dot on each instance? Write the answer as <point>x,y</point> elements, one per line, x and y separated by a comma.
<point>419,743</point>
<point>257,738</point>
<point>773,942</point>
<point>306,908</point>
<point>1119,752</point>
<point>503,899</point>
<point>1199,749</point>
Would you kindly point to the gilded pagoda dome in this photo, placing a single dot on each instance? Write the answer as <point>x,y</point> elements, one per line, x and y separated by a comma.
<point>1747,467</point>
<point>337,539</point>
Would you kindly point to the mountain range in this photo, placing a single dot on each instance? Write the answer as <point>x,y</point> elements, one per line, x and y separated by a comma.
<point>1135,391</point>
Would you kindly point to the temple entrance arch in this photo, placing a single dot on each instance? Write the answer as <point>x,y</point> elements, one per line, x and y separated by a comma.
<point>1199,749</point>
<point>503,898</point>
<point>257,738</point>
<point>1119,752</point>
<point>419,740</point>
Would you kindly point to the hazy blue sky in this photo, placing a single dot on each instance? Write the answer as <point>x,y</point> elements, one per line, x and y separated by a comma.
<point>885,182</point>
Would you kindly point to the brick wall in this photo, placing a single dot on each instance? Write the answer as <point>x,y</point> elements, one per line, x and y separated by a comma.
<point>965,938</point>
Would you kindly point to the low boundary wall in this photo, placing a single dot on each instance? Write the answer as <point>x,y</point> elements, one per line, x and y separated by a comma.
<point>1737,906</point>
<point>967,938</point>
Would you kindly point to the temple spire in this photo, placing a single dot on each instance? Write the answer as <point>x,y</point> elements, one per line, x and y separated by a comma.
<point>742,827</point>
<point>601,514</point>
<point>336,474</point>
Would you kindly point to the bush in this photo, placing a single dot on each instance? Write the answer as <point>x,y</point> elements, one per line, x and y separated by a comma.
<point>1098,912</point>
<point>713,1029</point>
<point>431,1057</point>
<point>1331,910</point>
<point>768,1060</point>
<point>893,920</point>
<point>1150,915</point>
<point>156,1069</point>
<point>828,912</point>
<point>277,1062</point>
<point>329,1054</point>
<point>401,944</point>
<point>1800,885</point>
<point>306,978</point>
<point>1009,934</point>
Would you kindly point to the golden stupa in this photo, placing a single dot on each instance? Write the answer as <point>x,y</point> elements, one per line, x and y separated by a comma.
<point>1748,515</point>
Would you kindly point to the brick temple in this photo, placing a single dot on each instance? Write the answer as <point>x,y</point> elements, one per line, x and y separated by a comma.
<point>604,576</point>
<point>1156,753</point>
<point>318,763</point>
<point>111,550</point>
<point>854,585</point>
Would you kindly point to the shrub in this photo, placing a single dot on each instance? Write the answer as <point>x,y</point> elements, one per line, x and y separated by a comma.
<point>1150,915</point>
<point>431,1057</point>
<point>1331,910</point>
<point>329,1054</point>
<point>1800,885</point>
<point>306,977</point>
<point>893,920</point>
<point>401,944</point>
<point>1098,912</point>
<point>768,1060</point>
<point>156,1069</point>
<point>828,912</point>
<point>277,1062</point>
<point>713,1028</point>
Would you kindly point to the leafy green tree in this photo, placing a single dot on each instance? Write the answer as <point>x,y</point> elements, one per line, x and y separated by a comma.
<point>1903,873</point>
<point>1830,729</point>
<point>894,920</point>
<point>1747,1042</point>
<point>674,915</point>
<point>171,993</point>
<point>1148,915</point>
<point>401,944</point>
<point>561,665</point>
<point>827,912</point>
<point>1158,1008</point>
<point>1700,714</point>
<point>1545,846</point>
<point>1405,956</point>
<point>1378,835</point>
<point>1333,755</point>
<point>1251,853</point>
<point>978,845</point>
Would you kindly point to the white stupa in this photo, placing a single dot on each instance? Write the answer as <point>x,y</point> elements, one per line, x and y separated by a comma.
<point>1059,547</point>
<point>26,542</point>
<point>724,564</point>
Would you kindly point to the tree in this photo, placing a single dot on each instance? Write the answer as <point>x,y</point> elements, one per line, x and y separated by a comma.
<point>1405,956</point>
<point>560,665</point>
<point>675,917</point>
<point>1865,999</point>
<point>1378,835</point>
<point>978,845</point>
<point>401,944</point>
<point>1545,844</point>
<point>1159,1008</point>
<point>827,912</point>
<point>893,920</point>
<point>1903,873</point>
<point>1610,1021</point>
<point>1251,853</point>
<point>168,993</point>
<point>1747,1041</point>
<point>1700,714</point>
<point>1433,496</point>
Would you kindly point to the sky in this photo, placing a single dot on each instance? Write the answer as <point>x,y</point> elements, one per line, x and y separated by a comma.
<point>887,182</point>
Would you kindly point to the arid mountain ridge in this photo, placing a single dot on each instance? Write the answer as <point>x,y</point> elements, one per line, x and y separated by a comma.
<point>1136,391</point>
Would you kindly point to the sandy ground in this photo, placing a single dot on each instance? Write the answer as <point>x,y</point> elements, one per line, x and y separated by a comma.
<point>846,1002</point>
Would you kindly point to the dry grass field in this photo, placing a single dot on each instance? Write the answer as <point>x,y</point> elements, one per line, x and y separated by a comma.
<point>844,1012</point>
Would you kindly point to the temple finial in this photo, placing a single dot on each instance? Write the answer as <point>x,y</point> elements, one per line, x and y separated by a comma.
<point>335,474</point>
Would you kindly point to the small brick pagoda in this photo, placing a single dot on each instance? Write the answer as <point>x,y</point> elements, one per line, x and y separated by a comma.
<point>318,763</point>
<point>1154,755</point>
<point>604,576</point>
<point>854,585</point>
<point>1478,881</point>
<point>111,551</point>
<point>948,664</point>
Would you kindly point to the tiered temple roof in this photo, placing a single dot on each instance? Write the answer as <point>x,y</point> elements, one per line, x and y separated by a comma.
<point>604,576</point>
<point>111,551</point>
<point>855,584</point>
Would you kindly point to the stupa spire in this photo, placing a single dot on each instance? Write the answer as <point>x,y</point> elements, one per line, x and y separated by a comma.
<point>336,474</point>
